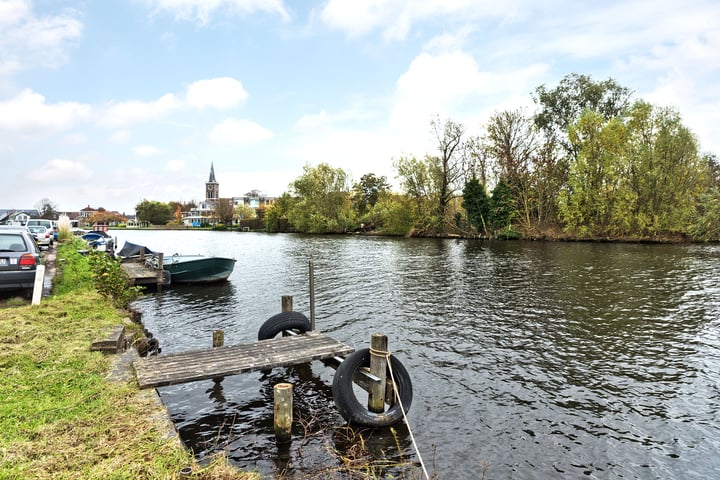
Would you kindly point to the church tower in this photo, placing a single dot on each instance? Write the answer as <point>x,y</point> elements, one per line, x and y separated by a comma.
<point>212,188</point>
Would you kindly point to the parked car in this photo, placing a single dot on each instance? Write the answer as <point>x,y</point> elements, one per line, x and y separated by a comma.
<point>49,224</point>
<point>43,236</point>
<point>19,258</point>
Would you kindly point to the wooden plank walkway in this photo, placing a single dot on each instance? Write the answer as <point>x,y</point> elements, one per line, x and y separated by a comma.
<point>195,365</point>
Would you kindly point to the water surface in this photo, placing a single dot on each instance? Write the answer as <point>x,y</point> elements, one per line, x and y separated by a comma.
<point>528,360</point>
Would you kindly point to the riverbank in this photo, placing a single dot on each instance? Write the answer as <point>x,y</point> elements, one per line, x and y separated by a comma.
<point>68,413</point>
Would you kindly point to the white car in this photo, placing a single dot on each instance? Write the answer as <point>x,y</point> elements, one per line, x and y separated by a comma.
<point>43,236</point>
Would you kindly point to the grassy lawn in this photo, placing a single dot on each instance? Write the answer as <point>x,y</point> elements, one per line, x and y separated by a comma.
<point>60,417</point>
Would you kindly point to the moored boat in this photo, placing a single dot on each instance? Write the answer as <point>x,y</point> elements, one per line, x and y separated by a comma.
<point>198,268</point>
<point>182,268</point>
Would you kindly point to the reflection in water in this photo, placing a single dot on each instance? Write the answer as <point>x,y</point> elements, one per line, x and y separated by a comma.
<point>537,360</point>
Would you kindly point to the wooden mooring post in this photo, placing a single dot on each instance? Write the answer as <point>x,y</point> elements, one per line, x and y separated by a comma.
<point>283,412</point>
<point>218,338</point>
<point>378,367</point>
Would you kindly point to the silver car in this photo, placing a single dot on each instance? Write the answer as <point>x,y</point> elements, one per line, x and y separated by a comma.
<point>43,235</point>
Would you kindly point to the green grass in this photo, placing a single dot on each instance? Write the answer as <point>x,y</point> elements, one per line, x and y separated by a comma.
<point>60,417</point>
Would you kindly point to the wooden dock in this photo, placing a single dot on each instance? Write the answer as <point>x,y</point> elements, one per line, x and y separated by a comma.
<point>140,273</point>
<point>216,362</point>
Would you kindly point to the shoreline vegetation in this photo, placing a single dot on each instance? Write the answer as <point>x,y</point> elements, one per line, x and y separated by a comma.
<point>590,163</point>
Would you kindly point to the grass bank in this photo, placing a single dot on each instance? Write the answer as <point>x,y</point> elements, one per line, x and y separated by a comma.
<point>60,416</point>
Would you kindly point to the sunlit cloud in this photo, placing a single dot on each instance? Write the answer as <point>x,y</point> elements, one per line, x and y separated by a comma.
<point>203,11</point>
<point>29,111</point>
<point>239,132</point>
<point>59,170</point>
<point>216,93</point>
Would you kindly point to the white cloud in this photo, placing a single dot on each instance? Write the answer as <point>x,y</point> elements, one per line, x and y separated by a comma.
<point>175,165</point>
<point>239,132</point>
<point>312,120</point>
<point>75,139</point>
<point>59,170</point>
<point>217,93</point>
<point>29,112</point>
<point>134,111</point>
<point>146,150</point>
<point>395,18</point>
<point>202,11</point>
<point>30,41</point>
<point>120,137</point>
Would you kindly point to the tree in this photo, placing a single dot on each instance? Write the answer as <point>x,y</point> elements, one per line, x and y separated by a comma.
<point>321,201</point>
<point>419,184</point>
<point>512,142</point>
<point>276,215</point>
<point>245,212</point>
<point>448,167</point>
<point>224,211</point>
<point>103,217</point>
<point>597,200</point>
<point>562,106</point>
<point>367,192</point>
<point>47,209</point>
<point>668,174</point>
<point>154,212</point>
<point>477,205</point>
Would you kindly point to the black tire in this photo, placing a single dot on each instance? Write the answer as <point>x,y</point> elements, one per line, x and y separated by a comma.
<point>348,404</point>
<point>283,321</point>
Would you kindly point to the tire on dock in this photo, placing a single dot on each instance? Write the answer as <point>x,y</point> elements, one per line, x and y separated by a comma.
<point>283,321</point>
<point>348,404</point>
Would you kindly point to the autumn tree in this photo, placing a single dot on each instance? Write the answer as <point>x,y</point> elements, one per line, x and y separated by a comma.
<point>562,106</point>
<point>154,212</point>
<point>367,192</point>
<point>321,201</point>
<point>224,211</point>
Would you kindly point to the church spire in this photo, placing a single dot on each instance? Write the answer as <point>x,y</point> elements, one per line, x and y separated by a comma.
<point>212,188</point>
<point>212,174</point>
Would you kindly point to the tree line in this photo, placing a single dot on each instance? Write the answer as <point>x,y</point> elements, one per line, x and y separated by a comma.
<point>590,163</point>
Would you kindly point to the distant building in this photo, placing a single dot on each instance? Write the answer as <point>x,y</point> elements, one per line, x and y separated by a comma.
<point>203,214</point>
<point>17,217</point>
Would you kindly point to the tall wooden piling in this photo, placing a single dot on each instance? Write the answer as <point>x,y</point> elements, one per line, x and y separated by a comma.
<point>283,418</point>
<point>378,367</point>
<point>160,279</point>
<point>311,274</point>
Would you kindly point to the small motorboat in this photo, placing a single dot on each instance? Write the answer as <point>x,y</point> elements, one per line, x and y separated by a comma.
<point>183,268</point>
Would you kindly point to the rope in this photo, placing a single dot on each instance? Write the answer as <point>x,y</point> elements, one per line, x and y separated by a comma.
<point>402,409</point>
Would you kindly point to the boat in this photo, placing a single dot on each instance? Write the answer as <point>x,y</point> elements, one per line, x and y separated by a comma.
<point>198,268</point>
<point>182,268</point>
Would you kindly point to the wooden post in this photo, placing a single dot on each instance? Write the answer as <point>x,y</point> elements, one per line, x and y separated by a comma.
<point>378,367</point>
<point>218,338</point>
<point>312,295</point>
<point>38,285</point>
<point>283,412</point>
<point>160,271</point>
<point>286,303</point>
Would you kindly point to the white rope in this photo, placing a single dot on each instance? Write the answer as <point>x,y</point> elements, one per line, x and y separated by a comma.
<point>402,409</point>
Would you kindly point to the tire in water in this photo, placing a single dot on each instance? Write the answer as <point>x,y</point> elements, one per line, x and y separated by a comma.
<point>348,404</point>
<point>283,321</point>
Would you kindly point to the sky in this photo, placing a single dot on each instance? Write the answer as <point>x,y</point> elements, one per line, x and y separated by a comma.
<point>108,103</point>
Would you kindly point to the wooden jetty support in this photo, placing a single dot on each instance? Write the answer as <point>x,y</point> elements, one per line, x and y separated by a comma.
<point>141,272</point>
<point>216,362</point>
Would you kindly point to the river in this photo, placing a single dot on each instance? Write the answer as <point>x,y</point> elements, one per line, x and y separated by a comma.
<point>529,360</point>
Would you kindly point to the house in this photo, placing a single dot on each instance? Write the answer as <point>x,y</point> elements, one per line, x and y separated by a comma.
<point>17,217</point>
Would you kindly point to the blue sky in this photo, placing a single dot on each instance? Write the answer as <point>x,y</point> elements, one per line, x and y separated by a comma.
<point>106,103</point>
